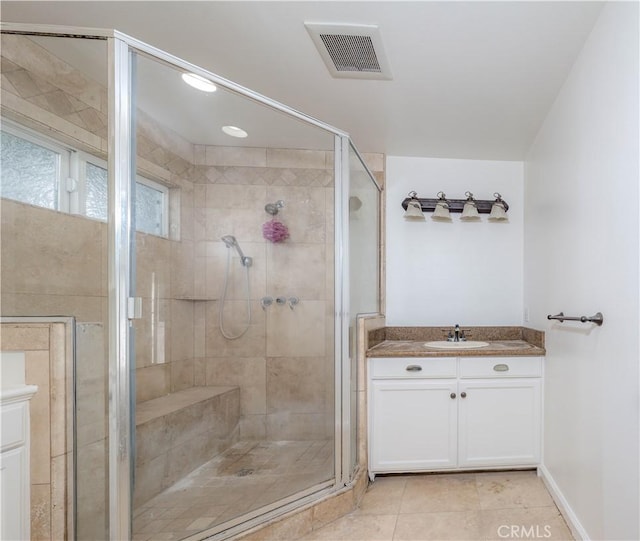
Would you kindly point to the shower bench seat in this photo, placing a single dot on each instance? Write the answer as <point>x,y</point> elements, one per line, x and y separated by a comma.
<point>179,432</point>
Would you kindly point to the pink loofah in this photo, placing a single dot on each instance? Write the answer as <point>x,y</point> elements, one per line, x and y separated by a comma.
<point>275,231</point>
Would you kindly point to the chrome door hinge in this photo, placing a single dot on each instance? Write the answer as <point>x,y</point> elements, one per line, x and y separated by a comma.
<point>134,308</point>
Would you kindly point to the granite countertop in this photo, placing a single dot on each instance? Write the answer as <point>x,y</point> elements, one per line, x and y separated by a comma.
<point>410,342</point>
<point>417,348</point>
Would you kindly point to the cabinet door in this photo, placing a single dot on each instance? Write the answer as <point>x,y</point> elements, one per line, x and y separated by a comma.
<point>15,502</point>
<point>412,425</point>
<point>499,422</point>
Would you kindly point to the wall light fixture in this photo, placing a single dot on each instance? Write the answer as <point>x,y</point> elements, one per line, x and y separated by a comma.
<point>413,209</point>
<point>441,212</point>
<point>470,208</point>
<point>498,209</point>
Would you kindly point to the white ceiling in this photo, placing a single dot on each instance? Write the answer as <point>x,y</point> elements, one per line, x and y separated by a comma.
<point>470,79</point>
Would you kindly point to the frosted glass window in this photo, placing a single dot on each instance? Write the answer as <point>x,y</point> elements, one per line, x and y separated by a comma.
<point>150,202</point>
<point>97,195</point>
<point>149,209</point>
<point>30,172</point>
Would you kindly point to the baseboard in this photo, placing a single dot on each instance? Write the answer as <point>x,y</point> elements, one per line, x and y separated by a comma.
<point>577,530</point>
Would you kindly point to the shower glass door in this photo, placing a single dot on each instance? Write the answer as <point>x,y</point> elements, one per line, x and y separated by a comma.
<point>54,253</point>
<point>234,355</point>
<point>364,265</point>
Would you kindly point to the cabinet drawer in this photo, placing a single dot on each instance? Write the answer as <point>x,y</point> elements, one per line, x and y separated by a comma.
<point>412,367</point>
<point>500,367</point>
<point>14,424</point>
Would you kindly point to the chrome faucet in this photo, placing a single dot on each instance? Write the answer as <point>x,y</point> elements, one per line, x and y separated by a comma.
<point>457,335</point>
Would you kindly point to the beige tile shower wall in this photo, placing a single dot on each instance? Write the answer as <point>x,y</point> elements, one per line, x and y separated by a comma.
<point>55,263</point>
<point>91,432</point>
<point>52,96</point>
<point>50,265</point>
<point>51,452</point>
<point>284,362</point>
<point>48,92</point>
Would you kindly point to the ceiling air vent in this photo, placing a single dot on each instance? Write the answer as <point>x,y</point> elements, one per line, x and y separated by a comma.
<point>351,51</point>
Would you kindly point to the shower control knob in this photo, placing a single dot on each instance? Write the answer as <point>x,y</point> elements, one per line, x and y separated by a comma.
<point>281,300</point>
<point>266,301</point>
<point>293,301</point>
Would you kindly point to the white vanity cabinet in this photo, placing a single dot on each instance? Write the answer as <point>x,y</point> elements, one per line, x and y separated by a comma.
<point>454,413</point>
<point>14,462</point>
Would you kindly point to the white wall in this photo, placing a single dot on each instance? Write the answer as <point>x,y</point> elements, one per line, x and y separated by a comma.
<point>581,256</point>
<point>460,272</point>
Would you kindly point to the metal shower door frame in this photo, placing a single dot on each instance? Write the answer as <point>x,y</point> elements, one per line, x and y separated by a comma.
<point>342,414</point>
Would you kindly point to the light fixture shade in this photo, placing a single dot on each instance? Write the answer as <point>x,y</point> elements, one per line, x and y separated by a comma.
<point>497,212</point>
<point>234,131</point>
<point>414,211</point>
<point>470,212</point>
<point>441,212</point>
<point>196,81</point>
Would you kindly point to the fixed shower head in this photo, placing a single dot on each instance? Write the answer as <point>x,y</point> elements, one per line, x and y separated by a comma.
<point>231,242</point>
<point>274,208</point>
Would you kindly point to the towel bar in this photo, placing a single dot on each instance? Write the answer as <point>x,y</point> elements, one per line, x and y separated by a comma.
<point>597,318</point>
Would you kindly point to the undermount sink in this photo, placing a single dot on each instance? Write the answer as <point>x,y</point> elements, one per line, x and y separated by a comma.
<point>466,344</point>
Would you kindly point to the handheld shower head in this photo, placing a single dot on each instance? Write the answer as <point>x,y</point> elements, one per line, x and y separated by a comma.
<point>231,242</point>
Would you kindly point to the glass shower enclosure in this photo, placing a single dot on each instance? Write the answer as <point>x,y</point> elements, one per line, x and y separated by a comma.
<point>224,361</point>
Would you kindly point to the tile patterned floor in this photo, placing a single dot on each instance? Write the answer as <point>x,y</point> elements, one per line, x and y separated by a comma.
<point>419,507</point>
<point>245,477</point>
<point>465,506</point>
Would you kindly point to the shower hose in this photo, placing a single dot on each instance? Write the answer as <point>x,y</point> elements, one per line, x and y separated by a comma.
<point>224,298</point>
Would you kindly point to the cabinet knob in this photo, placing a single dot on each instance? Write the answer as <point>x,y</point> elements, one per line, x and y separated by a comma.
<point>452,395</point>
<point>413,368</point>
<point>463,394</point>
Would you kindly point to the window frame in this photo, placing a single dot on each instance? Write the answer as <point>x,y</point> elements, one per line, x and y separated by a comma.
<point>63,161</point>
<point>72,175</point>
<point>81,192</point>
<point>164,190</point>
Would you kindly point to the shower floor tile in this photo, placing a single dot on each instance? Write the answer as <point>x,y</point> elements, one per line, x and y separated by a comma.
<point>247,476</point>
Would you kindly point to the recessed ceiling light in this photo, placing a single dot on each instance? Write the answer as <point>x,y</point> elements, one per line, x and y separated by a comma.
<point>198,82</point>
<point>233,131</point>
